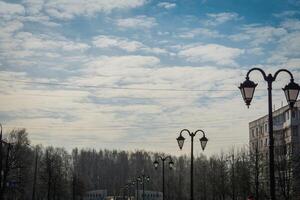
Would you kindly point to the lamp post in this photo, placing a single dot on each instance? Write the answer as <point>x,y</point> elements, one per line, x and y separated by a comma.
<point>143,178</point>
<point>232,175</point>
<point>136,182</point>
<point>0,159</point>
<point>291,91</point>
<point>203,142</point>
<point>5,172</point>
<point>171,164</point>
<point>35,171</point>
<point>127,186</point>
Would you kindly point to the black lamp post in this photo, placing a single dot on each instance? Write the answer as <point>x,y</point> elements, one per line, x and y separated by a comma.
<point>35,172</point>
<point>136,182</point>
<point>232,162</point>
<point>203,142</point>
<point>291,93</point>
<point>171,164</point>
<point>143,178</point>
<point>1,161</point>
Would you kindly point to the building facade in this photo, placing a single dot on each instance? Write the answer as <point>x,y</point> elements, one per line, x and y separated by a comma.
<point>95,195</point>
<point>286,126</point>
<point>149,195</point>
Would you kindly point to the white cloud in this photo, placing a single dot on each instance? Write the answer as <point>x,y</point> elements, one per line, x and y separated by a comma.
<point>10,27</point>
<point>65,9</point>
<point>139,22</point>
<point>201,32</point>
<point>291,24</point>
<point>8,10</point>
<point>43,42</point>
<point>258,35</point>
<point>34,7</point>
<point>288,48</point>
<point>103,41</point>
<point>166,5</point>
<point>287,13</point>
<point>41,19</point>
<point>215,19</point>
<point>112,65</point>
<point>218,54</point>
<point>255,51</point>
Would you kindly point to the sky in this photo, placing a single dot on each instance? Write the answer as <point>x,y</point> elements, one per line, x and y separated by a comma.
<point>130,74</point>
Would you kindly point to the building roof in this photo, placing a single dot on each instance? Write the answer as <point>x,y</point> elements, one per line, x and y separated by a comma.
<point>278,111</point>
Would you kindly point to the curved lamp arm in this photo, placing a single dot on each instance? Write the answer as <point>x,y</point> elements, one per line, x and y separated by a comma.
<point>200,131</point>
<point>256,69</point>
<point>284,70</point>
<point>185,130</point>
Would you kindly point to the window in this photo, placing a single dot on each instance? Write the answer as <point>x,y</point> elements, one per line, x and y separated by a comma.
<point>256,132</point>
<point>266,142</point>
<point>266,128</point>
<point>293,114</point>
<point>295,131</point>
<point>253,133</point>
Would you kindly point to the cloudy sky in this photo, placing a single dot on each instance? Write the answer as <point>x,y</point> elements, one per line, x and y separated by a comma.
<point>130,74</point>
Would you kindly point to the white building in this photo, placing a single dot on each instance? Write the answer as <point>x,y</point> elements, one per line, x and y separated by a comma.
<point>95,195</point>
<point>149,195</point>
<point>286,126</point>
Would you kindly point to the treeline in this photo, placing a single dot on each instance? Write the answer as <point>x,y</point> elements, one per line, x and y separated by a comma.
<point>36,172</point>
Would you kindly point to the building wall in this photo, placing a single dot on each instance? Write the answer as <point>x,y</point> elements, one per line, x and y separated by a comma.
<point>286,126</point>
<point>149,195</point>
<point>95,195</point>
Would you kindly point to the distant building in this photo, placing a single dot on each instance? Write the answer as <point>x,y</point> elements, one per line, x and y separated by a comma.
<point>95,195</point>
<point>286,126</point>
<point>149,195</point>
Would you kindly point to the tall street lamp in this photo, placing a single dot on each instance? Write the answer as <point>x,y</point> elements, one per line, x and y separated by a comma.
<point>203,142</point>
<point>1,158</point>
<point>291,91</point>
<point>171,164</point>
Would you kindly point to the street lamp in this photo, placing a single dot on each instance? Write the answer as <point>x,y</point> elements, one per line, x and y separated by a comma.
<point>5,172</point>
<point>232,175</point>
<point>1,161</point>
<point>203,142</point>
<point>136,181</point>
<point>35,170</point>
<point>143,178</point>
<point>291,91</point>
<point>171,164</point>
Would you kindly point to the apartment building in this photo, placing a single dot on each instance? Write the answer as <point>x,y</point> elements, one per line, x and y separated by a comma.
<point>286,126</point>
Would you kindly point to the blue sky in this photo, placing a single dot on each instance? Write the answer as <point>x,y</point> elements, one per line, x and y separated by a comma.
<point>131,74</point>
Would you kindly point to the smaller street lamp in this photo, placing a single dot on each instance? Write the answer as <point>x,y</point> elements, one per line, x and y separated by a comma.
<point>203,142</point>
<point>171,164</point>
<point>142,179</point>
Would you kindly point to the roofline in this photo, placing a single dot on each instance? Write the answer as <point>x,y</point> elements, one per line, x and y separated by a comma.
<point>286,107</point>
